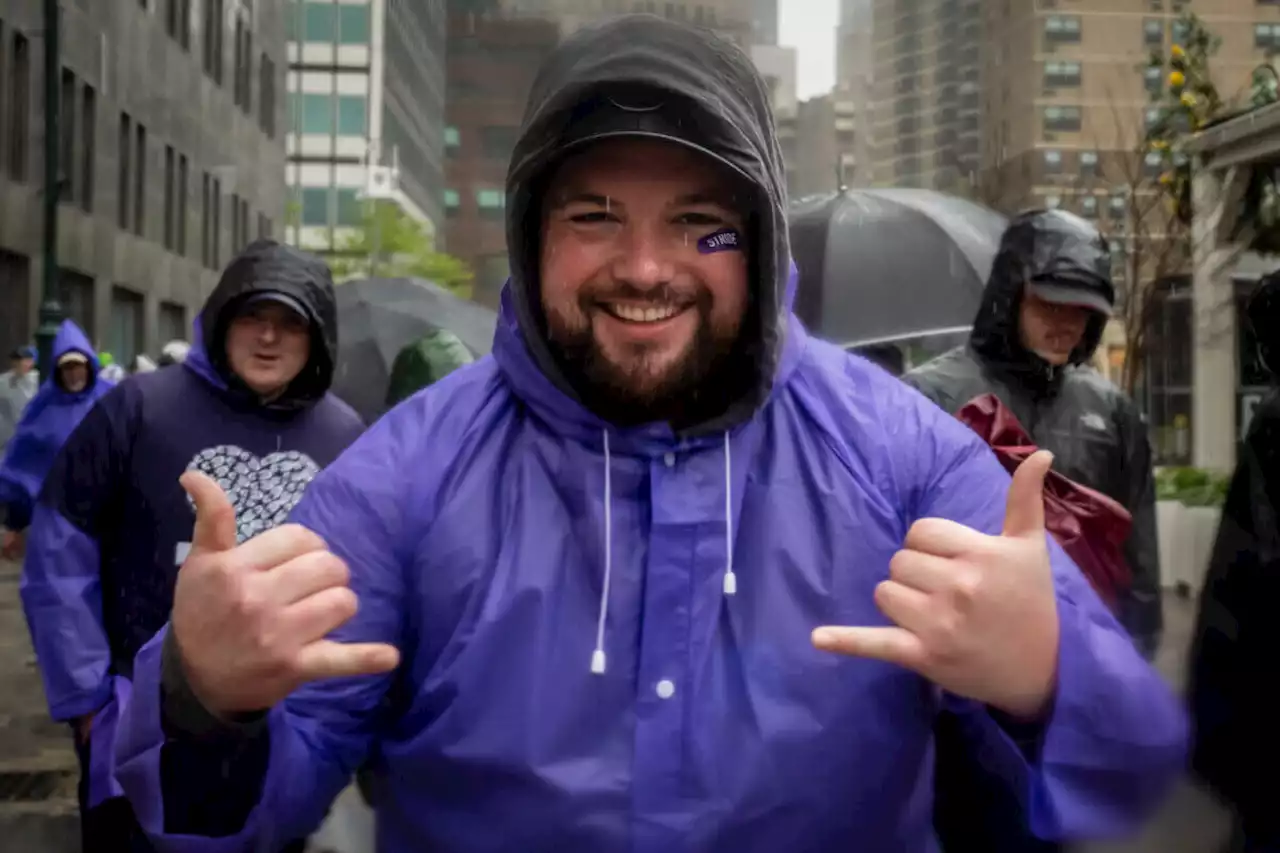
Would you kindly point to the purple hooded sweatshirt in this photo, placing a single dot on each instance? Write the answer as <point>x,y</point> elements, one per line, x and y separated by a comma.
<point>46,423</point>
<point>605,631</point>
<point>111,526</point>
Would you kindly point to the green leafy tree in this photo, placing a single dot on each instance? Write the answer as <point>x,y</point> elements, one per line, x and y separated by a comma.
<point>388,243</point>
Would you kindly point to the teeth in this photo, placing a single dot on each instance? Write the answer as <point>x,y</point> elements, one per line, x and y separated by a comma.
<point>639,314</point>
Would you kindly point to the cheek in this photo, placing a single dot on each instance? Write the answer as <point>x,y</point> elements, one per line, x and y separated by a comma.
<point>725,276</point>
<point>566,266</point>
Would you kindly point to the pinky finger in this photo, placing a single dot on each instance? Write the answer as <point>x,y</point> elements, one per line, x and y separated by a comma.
<point>325,659</point>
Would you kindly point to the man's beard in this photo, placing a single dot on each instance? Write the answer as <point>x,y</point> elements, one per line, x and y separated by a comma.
<point>697,385</point>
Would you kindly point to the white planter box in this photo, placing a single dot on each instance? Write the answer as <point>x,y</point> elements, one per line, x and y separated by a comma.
<point>1186,537</point>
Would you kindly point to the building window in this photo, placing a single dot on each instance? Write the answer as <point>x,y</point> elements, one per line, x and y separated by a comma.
<point>353,24</point>
<point>1179,30</point>
<point>19,107</point>
<point>319,21</point>
<point>124,183</point>
<point>452,201</point>
<point>452,139</point>
<point>1089,164</point>
<point>235,223</point>
<point>1151,117</point>
<point>89,149</point>
<point>351,115</point>
<point>1117,206</point>
<point>315,206</point>
<point>1062,29</point>
<point>67,136</point>
<point>125,335</point>
<point>1061,119</point>
<point>1052,162</point>
<point>170,193</point>
<point>173,322</point>
<point>267,96</point>
<point>264,227</point>
<point>1053,202</point>
<point>1089,206</point>
<point>1152,164</point>
<point>242,73</point>
<point>1266,36</point>
<point>317,113</point>
<point>1152,32</point>
<point>215,227</point>
<point>350,208</point>
<point>139,179</point>
<point>180,238</point>
<point>491,203</point>
<point>206,190</point>
<point>214,26</point>
<point>1061,73</point>
<point>1153,77</point>
<point>172,14</point>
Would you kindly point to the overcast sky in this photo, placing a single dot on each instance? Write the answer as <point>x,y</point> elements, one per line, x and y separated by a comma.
<point>810,26</point>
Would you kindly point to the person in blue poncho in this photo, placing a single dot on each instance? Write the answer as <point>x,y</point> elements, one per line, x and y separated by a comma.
<point>47,421</point>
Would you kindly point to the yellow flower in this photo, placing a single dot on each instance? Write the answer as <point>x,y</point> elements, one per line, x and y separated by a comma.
<point>1160,144</point>
<point>1177,52</point>
<point>1188,99</point>
<point>1166,178</point>
<point>1177,79</point>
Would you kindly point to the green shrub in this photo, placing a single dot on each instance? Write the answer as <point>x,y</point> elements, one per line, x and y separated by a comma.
<point>1191,486</point>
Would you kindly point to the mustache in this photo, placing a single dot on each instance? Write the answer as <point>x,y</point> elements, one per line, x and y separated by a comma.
<point>663,294</point>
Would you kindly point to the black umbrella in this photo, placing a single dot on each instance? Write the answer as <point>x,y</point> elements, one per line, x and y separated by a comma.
<point>885,265</point>
<point>378,317</point>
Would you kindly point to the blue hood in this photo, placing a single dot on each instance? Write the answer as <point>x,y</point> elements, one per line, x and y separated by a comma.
<point>48,420</point>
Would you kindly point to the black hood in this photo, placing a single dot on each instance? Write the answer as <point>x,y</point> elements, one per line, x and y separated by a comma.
<point>266,266</point>
<point>1040,246</point>
<point>727,104</point>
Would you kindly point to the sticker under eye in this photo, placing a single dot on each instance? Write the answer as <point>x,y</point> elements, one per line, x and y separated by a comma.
<point>722,240</point>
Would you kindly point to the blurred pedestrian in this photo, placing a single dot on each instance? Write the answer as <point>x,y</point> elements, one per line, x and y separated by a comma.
<point>250,407</point>
<point>1047,301</point>
<point>566,598</point>
<point>111,371</point>
<point>424,362</point>
<point>46,422</point>
<point>174,352</point>
<point>1236,648</point>
<point>18,385</point>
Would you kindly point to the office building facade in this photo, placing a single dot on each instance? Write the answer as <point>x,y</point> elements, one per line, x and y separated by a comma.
<point>366,114</point>
<point>171,153</point>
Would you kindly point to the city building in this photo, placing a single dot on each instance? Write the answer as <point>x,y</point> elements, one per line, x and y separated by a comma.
<point>494,50</point>
<point>855,54</point>
<point>924,114</point>
<point>764,20</point>
<point>1066,94</point>
<point>826,150</point>
<point>171,153</point>
<point>366,92</point>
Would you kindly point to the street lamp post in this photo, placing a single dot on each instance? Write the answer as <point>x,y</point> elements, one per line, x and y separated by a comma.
<point>50,307</point>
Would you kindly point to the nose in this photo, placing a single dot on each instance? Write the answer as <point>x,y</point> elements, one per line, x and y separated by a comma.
<point>644,260</point>
<point>268,331</point>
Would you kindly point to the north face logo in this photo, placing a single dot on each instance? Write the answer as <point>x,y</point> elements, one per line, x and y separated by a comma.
<point>1093,421</point>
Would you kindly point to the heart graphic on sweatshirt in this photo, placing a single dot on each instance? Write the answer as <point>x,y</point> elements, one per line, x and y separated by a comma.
<point>263,490</point>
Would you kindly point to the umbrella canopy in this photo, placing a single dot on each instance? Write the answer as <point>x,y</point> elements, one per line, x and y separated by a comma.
<point>379,317</point>
<point>884,265</point>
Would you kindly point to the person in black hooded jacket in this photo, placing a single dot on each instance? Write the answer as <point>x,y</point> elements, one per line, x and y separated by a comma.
<point>1046,304</point>
<point>1236,744</point>
<point>251,407</point>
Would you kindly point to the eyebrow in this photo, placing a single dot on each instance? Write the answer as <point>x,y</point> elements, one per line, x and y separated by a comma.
<point>688,199</point>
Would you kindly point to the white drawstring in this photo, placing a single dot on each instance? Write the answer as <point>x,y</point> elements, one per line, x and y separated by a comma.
<point>597,657</point>
<point>730,579</point>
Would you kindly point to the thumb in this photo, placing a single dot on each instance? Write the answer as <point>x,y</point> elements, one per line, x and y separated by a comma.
<point>1024,513</point>
<point>215,516</point>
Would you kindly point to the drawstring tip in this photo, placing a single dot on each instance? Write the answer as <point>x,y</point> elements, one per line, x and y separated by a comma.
<point>597,662</point>
<point>730,583</point>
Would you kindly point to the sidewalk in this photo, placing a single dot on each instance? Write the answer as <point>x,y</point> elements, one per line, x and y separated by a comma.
<point>37,765</point>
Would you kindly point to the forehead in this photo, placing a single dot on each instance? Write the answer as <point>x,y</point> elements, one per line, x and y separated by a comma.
<point>646,165</point>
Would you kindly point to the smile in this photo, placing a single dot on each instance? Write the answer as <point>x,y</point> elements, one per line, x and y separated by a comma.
<point>643,313</point>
